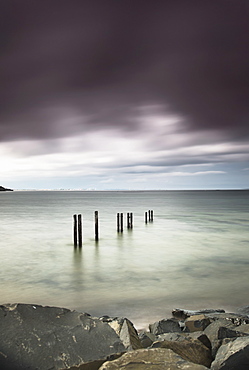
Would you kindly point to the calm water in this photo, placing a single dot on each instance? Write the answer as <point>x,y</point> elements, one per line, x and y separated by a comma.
<point>194,255</point>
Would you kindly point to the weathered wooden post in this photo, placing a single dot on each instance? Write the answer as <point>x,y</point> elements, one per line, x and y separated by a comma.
<point>96,226</point>
<point>129,220</point>
<point>118,222</point>
<point>75,230</point>
<point>151,215</point>
<point>146,217</point>
<point>80,231</point>
<point>121,222</point>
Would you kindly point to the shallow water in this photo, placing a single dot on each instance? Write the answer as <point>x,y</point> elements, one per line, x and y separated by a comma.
<point>195,254</point>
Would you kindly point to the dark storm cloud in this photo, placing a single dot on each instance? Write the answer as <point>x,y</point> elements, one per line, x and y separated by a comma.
<point>94,62</point>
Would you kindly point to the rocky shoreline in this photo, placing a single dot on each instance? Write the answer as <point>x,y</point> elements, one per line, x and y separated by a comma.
<point>38,337</point>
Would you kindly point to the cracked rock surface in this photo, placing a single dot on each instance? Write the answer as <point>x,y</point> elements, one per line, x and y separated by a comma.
<point>37,337</point>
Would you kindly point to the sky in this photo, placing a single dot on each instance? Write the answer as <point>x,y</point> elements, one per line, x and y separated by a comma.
<point>124,94</point>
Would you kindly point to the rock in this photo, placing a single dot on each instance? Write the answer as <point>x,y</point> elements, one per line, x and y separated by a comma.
<point>212,332</point>
<point>171,336</point>
<point>146,339</point>
<point>151,359</point>
<point>183,336</point>
<point>33,336</point>
<point>233,355</point>
<point>125,330</point>
<point>165,326</point>
<point>197,323</point>
<point>179,313</point>
<point>92,365</point>
<point>225,332</point>
<point>189,349</point>
<point>202,338</point>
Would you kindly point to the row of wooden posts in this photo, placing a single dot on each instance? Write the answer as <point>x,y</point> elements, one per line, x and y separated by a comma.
<point>77,228</point>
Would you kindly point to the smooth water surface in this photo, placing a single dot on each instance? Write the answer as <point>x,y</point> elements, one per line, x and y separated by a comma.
<point>195,254</point>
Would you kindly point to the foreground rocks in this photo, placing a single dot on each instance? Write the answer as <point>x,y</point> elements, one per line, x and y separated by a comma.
<point>37,337</point>
<point>146,359</point>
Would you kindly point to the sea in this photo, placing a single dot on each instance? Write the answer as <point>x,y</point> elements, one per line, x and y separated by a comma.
<point>193,255</point>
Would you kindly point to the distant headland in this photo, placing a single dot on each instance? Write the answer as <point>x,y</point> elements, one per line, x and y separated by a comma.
<point>4,189</point>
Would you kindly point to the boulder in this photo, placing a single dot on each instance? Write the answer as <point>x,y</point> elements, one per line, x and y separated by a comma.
<point>92,365</point>
<point>225,332</point>
<point>180,313</point>
<point>183,336</point>
<point>189,349</point>
<point>125,330</point>
<point>37,337</point>
<point>151,359</point>
<point>233,355</point>
<point>146,339</point>
<point>165,326</point>
<point>212,332</point>
<point>171,336</point>
<point>201,337</point>
<point>196,323</point>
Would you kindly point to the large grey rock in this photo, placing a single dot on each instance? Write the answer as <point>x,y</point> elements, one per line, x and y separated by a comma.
<point>212,330</point>
<point>172,336</point>
<point>37,337</point>
<point>125,330</point>
<point>178,337</point>
<point>202,337</point>
<point>147,339</point>
<point>151,359</point>
<point>180,313</point>
<point>196,323</point>
<point>225,332</point>
<point>233,355</point>
<point>214,333</point>
<point>189,349</point>
<point>92,365</point>
<point>165,326</point>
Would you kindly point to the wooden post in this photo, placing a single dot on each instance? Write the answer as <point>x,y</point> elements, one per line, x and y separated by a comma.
<point>80,231</point>
<point>75,230</point>
<point>151,215</point>
<point>146,217</point>
<point>121,221</point>
<point>129,220</point>
<point>96,226</point>
<point>118,223</point>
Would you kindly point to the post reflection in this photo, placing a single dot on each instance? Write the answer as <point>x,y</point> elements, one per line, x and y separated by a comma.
<point>78,269</point>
